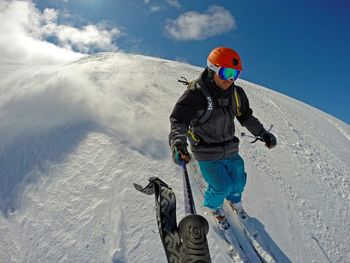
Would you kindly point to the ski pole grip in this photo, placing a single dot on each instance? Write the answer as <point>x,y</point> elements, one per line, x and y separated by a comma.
<point>192,231</point>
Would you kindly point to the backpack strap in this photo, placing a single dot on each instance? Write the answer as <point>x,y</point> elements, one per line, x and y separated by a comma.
<point>235,106</point>
<point>192,85</point>
<point>210,105</point>
<point>238,103</point>
<point>193,138</point>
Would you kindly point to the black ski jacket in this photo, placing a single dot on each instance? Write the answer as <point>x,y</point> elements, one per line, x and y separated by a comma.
<point>216,136</point>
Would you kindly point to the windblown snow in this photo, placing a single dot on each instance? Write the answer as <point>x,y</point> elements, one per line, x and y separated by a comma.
<point>76,136</point>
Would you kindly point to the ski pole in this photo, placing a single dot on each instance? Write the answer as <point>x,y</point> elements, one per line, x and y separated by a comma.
<point>189,202</point>
<point>193,228</point>
<point>256,138</point>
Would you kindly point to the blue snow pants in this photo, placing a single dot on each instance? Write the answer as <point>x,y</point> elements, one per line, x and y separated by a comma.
<point>226,178</point>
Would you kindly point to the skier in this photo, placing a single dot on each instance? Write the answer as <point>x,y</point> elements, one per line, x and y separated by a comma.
<point>215,98</point>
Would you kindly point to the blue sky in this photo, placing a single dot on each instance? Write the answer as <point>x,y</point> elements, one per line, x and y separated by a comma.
<point>298,48</point>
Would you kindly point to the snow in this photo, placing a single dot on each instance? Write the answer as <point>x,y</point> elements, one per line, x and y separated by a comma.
<point>76,136</point>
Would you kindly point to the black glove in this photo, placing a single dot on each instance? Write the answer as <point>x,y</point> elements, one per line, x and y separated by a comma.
<point>269,139</point>
<point>180,154</point>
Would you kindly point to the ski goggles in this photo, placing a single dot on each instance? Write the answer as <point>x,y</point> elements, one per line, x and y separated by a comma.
<point>228,73</point>
<point>224,73</point>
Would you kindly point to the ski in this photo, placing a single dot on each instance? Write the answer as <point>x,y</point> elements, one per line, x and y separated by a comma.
<point>237,255</point>
<point>261,248</point>
<point>241,232</point>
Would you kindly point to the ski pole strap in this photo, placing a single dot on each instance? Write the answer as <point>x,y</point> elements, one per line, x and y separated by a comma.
<point>256,138</point>
<point>166,216</point>
<point>184,81</point>
<point>188,196</point>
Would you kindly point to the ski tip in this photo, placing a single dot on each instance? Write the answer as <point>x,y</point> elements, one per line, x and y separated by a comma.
<point>138,187</point>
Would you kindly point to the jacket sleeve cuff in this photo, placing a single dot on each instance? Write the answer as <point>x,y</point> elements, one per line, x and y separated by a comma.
<point>178,141</point>
<point>263,133</point>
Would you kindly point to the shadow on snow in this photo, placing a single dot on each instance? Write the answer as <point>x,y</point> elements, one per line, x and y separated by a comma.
<point>279,255</point>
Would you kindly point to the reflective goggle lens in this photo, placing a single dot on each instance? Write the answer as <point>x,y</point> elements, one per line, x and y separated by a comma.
<point>228,73</point>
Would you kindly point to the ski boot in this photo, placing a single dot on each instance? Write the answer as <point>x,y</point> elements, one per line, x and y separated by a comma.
<point>220,217</point>
<point>238,208</point>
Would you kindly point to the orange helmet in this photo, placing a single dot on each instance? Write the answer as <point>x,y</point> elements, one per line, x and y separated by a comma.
<point>223,57</point>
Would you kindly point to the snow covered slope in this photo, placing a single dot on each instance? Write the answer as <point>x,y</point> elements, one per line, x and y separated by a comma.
<point>74,137</point>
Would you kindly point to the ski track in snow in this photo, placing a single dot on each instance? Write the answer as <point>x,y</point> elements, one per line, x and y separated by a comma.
<point>76,136</point>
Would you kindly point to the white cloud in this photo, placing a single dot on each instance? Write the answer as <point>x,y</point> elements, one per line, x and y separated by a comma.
<point>86,39</point>
<point>174,3</point>
<point>25,30</point>
<point>155,8</point>
<point>199,26</point>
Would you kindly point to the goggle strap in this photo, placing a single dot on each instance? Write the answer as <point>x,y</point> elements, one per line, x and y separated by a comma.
<point>213,67</point>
